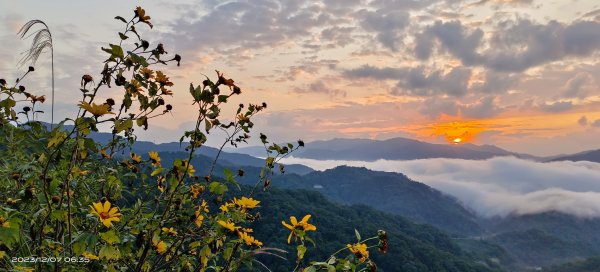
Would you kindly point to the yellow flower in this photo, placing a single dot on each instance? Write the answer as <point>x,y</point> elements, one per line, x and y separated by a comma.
<point>135,158</point>
<point>204,206</point>
<point>104,155</point>
<point>154,158</point>
<point>160,247</point>
<point>147,73</point>
<point>246,203</point>
<point>225,207</point>
<point>134,88</point>
<point>95,109</point>
<point>105,213</point>
<point>4,223</point>
<point>303,225</point>
<point>190,168</point>
<point>196,189</point>
<point>170,231</point>
<point>359,250</point>
<point>199,218</point>
<point>162,79</point>
<point>249,240</point>
<point>243,118</point>
<point>89,256</point>
<point>2,254</point>
<point>161,184</point>
<point>228,225</point>
<point>165,91</point>
<point>141,14</point>
<point>41,98</point>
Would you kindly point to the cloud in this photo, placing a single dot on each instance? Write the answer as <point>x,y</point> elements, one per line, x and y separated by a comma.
<point>499,186</point>
<point>502,2</point>
<point>453,38</point>
<point>512,46</point>
<point>255,25</point>
<point>595,123</point>
<point>484,108</point>
<point>434,107</point>
<point>583,121</point>
<point>578,86</point>
<point>524,44</point>
<point>496,83</point>
<point>558,106</point>
<point>418,81</point>
<point>321,87</point>
<point>389,25</point>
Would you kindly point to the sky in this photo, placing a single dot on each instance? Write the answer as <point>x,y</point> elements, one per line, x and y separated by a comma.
<point>520,74</point>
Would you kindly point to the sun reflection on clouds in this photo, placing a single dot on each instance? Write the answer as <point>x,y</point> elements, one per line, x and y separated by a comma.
<point>502,130</point>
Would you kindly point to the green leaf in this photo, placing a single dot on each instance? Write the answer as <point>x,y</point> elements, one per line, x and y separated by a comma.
<point>53,185</point>
<point>11,235</point>
<point>121,19</point>
<point>121,125</point>
<point>223,98</point>
<point>228,175</point>
<point>59,215</point>
<point>137,59</point>
<point>357,235</point>
<point>57,138</point>
<point>110,236</point>
<point>269,162</point>
<point>123,36</point>
<point>157,171</point>
<point>218,188</point>
<point>301,251</point>
<point>142,121</point>
<point>81,242</point>
<point>109,253</point>
<point>310,269</point>
<point>116,51</point>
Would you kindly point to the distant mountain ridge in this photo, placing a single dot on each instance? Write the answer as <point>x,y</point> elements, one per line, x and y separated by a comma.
<point>391,149</point>
<point>390,192</point>
<point>589,155</point>
<point>143,147</point>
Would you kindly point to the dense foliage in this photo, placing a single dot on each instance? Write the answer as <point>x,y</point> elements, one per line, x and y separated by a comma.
<point>70,203</point>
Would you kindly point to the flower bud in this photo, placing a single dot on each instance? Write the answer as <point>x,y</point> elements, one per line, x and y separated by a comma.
<point>177,58</point>
<point>161,49</point>
<point>145,44</point>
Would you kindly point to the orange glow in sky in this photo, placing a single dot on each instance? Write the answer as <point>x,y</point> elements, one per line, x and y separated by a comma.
<point>458,131</point>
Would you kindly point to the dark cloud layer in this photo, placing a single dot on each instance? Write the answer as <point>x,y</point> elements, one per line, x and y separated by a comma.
<point>515,46</point>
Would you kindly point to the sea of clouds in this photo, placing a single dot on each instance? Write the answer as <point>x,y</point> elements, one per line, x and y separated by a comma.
<point>498,186</point>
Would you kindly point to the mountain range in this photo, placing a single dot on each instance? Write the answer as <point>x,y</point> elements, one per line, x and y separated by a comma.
<point>391,149</point>
<point>516,243</point>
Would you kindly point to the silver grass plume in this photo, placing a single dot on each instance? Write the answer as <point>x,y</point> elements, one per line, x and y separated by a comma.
<point>42,40</point>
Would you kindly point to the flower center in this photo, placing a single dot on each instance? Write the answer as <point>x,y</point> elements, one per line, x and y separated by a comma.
<point>104,215</point>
